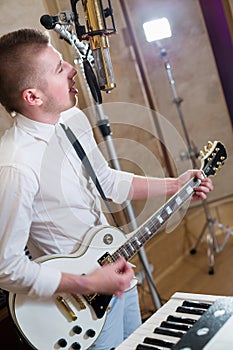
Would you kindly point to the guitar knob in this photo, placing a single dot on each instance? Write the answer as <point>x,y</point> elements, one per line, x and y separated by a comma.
<point>62,343</point>
<point>90,333</point>
<point>76,346</point>
<point>77,329</point>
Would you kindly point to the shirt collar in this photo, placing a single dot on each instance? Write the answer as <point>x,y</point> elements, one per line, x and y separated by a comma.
<point>38,130</point>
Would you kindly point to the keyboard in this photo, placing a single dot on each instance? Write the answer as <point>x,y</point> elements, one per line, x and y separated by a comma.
<point>186,322</point>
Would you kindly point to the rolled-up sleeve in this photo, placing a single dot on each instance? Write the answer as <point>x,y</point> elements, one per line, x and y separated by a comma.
<point>19,274</point>
<point>116,184</point>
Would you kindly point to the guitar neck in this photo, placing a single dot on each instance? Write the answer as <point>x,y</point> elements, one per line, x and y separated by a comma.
<point>145,232</point>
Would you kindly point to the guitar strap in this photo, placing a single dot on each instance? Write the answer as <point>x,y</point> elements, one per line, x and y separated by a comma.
<point>85,161</point>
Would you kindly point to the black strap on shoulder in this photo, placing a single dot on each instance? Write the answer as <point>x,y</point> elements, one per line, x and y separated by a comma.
<point>82,155</point>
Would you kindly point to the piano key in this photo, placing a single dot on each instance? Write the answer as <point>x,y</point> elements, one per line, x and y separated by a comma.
<point>166,312</point>
<point>181,319</point>
<point>168,331</point>
<point>206,328</point>
<point>190,310</point>
<point>159,342</point>
<point>175,325</point>
<point>196,304</point>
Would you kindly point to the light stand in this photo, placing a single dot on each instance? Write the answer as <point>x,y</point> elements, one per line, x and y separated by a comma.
<point>193,155</point>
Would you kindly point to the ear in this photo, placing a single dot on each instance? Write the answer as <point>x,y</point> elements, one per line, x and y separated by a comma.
<point>32,97</point>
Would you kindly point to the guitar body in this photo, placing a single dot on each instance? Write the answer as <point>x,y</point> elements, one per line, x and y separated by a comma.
<point>43,323</point>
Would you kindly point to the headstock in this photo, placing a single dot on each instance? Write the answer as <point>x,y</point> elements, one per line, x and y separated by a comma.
<point>213,157</point>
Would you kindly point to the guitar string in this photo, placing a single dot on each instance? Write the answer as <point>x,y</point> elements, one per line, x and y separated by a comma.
<point>145,232</point>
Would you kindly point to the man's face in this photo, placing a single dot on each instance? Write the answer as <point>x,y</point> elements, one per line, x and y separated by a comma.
<point>58,91</point>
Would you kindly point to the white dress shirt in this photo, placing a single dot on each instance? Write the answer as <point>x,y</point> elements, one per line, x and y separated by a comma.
<point>47,200</point>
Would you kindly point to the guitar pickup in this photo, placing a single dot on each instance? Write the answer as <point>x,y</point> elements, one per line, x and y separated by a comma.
<point>61,301</point>
<point>79,301</point>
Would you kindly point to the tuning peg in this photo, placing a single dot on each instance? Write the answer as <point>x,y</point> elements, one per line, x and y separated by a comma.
<point>209,145</point>
<point>202,154</point>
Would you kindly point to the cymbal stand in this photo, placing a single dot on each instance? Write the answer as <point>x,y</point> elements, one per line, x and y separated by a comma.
<point>212,243</point>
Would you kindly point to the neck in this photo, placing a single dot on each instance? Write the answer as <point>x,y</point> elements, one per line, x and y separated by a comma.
<point>41,117</point>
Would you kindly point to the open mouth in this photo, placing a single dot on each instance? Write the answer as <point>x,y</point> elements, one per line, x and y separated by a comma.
<point>73,90</point>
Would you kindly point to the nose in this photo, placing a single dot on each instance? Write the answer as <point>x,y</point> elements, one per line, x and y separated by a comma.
<point>71,71</point>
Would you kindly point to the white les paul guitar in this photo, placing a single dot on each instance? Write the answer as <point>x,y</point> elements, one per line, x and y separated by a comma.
<point>75,321</point>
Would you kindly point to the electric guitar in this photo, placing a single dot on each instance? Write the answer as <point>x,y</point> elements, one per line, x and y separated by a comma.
<point>75,321</point>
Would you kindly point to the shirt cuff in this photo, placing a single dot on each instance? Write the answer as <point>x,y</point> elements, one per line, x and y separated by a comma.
<point>46,282</point>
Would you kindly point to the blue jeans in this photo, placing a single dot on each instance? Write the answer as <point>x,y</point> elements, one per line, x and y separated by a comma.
<point>122,320</point>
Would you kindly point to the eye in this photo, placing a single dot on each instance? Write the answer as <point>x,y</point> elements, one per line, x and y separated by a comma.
<point>60,67</point>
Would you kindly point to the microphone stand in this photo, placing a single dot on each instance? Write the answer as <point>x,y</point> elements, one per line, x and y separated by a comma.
<point>104,127</point>
<point>193,155</point>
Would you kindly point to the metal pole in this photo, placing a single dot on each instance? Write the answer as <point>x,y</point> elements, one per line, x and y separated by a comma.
<point>104,126</point>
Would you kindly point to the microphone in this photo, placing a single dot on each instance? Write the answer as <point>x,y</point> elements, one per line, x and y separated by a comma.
<point>53,22</point>
<point>98,36</point>
<point>48,21</point>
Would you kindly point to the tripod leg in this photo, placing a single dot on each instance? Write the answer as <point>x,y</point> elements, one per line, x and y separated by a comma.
<point>210,252</point>
<point>212,245</point>
<point>194,250</point>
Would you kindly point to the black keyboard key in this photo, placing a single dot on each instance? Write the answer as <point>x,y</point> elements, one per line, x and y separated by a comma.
<point>167,331</point>
<point>158,342</point>
<point>180,319</point>
<point>175,325</point>
<point>196,304</point>
<point>190,310</point>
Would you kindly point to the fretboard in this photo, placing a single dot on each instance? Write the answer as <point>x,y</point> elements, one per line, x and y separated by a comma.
<point>146,231</point>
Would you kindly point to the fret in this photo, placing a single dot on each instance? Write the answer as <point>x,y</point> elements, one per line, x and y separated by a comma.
<point>160,219</point>
<point>178,200</point>
<point>130,246</point>
<point>126,253</point>
<point>116,255</point>
<point>136,240</point>
<point>148,231</point>
<point>169,210</point>
<point>189,189</point>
